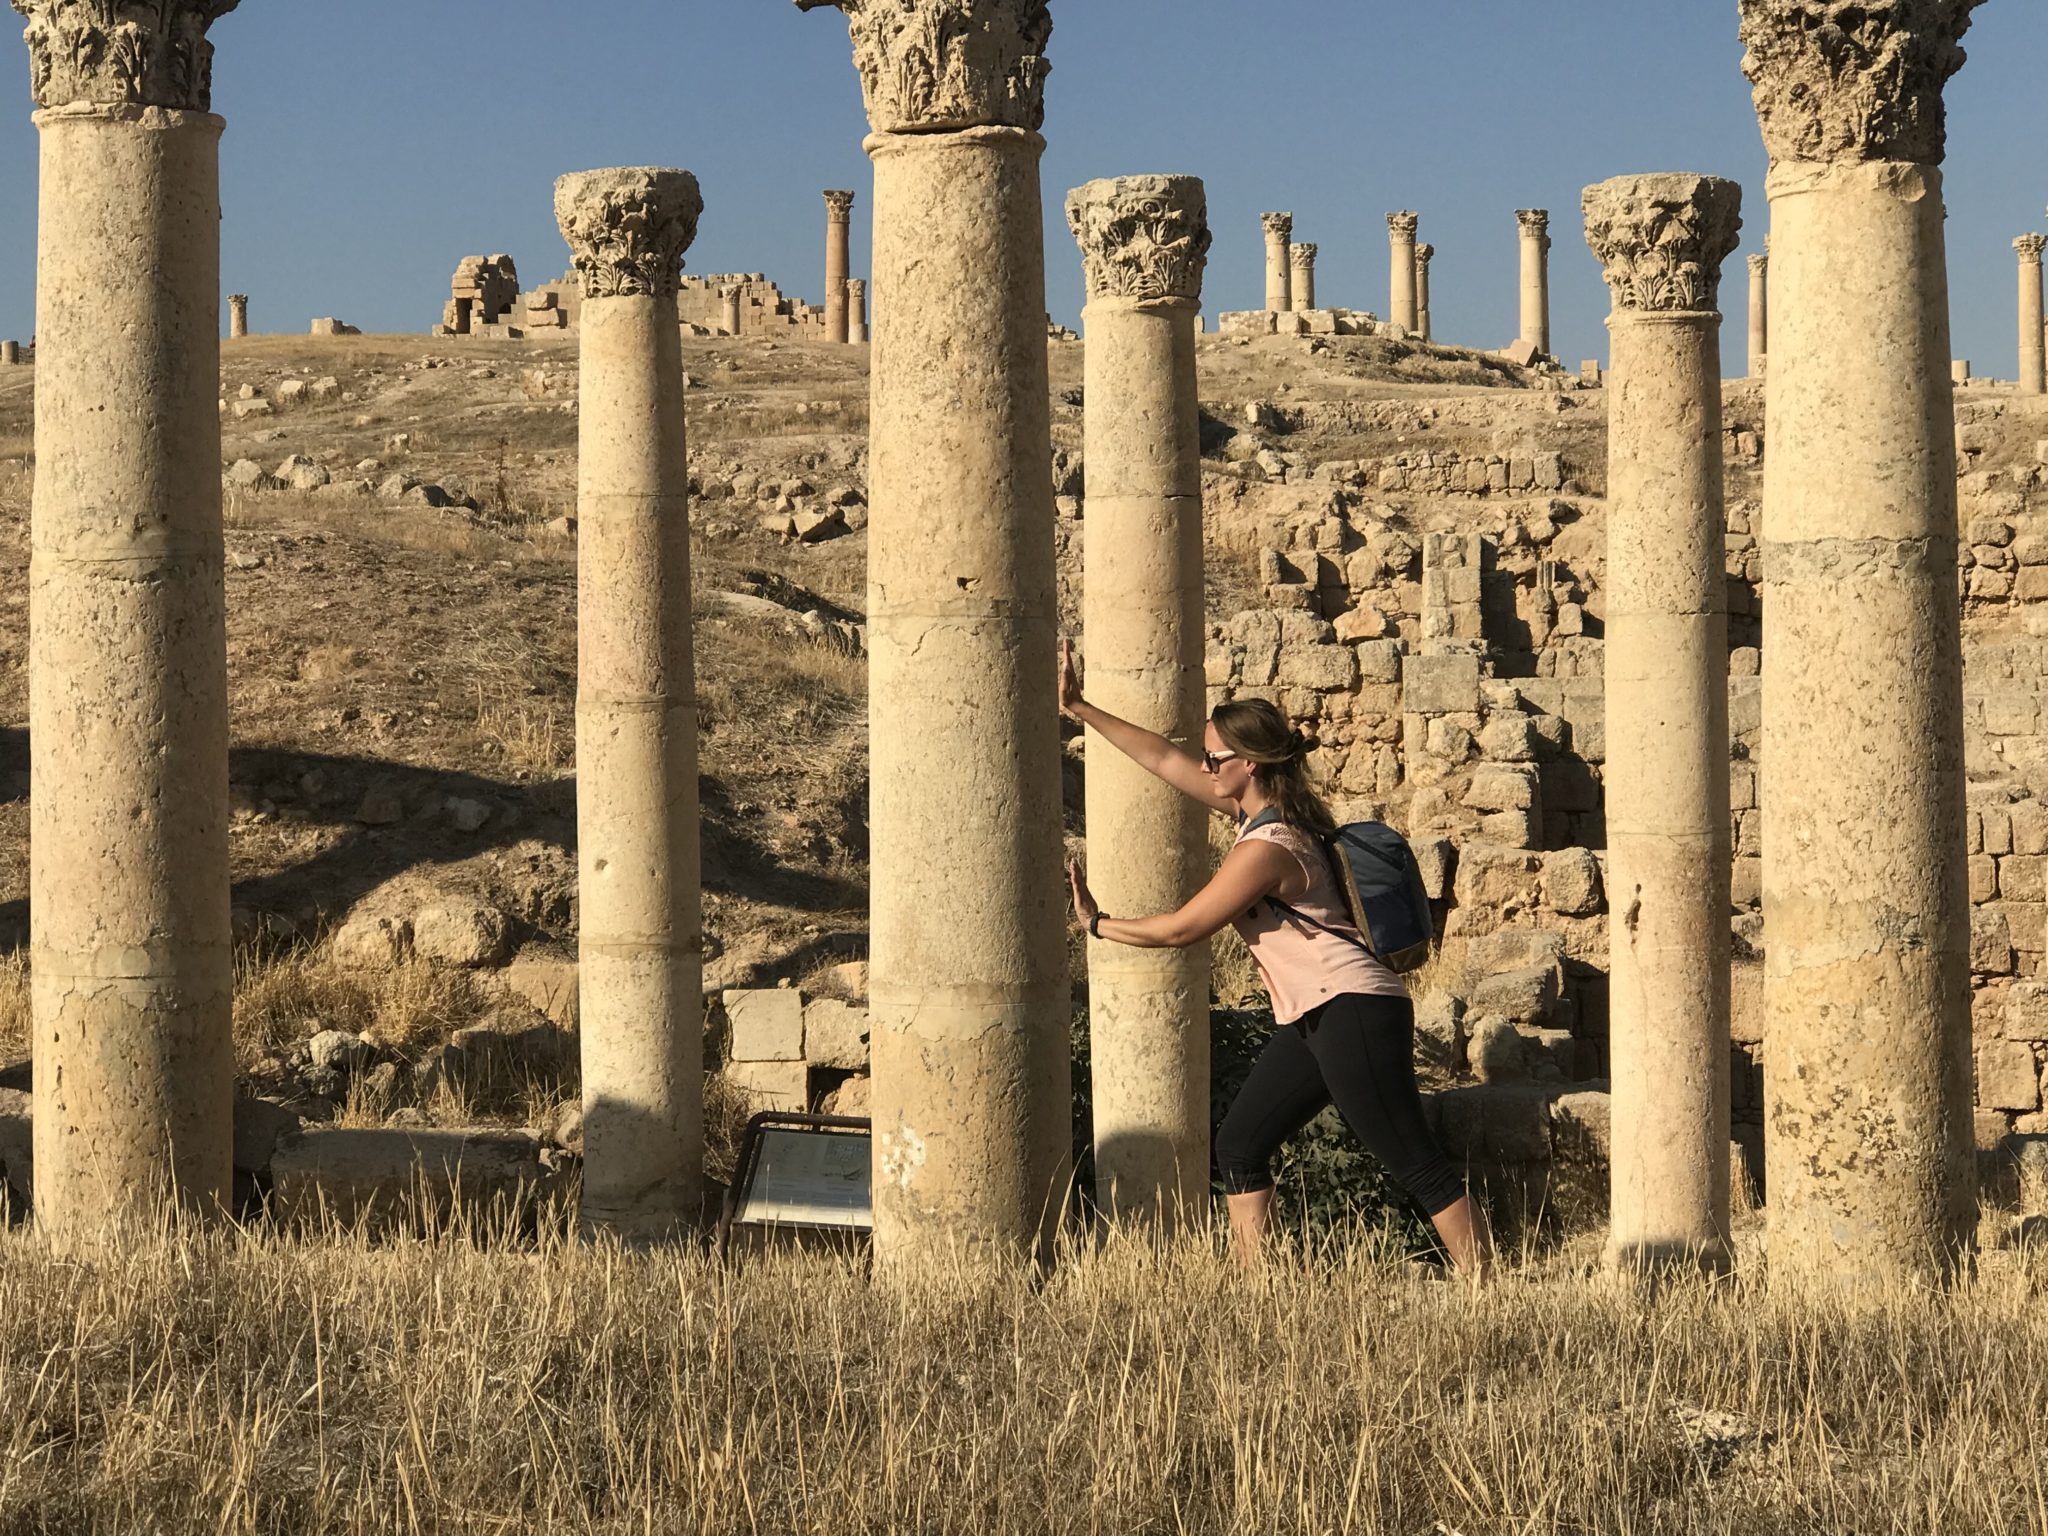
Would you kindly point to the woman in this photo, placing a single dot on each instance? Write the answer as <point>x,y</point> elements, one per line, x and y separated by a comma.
<point>1346,1026</point>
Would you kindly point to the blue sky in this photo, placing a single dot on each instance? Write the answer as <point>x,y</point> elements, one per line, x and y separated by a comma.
<point>372,143</point>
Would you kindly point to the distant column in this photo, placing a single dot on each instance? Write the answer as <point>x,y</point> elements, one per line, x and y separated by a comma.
<point>1661,241</point>
<point>2033,361</point>
<point>969,1007</point>
<point>1871,1168</point>
<point>641,945</point>
<point>1423,327</point>
<point>1302,259</point>
<point>1759,313</point>
<point>1279,261</point>
<point>1402,307</point>
<point>1535,227</point>
<point>857,310</point>
<point>732,311</point>
<point>1145,240</point>
<point>132,968</point>
<point>10,353</point>
<point>238,315</point>
<point>838,262</point>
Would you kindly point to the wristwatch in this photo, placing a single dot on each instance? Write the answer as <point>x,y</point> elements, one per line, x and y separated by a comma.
<point>1095,925</point>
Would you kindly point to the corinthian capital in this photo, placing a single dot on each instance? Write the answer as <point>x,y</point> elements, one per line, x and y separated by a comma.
<point>628,228</point>
<point>2030,248</point>
<point>1142,237</point>
<point>140,53</point>
<point>1662,239</point>
<point>1278,226</point>
<point>1423,254</point>
<point>1533,221</point>
<point>1853,79</point>
<point>930,65</point>
<point>1303,255</point>
<point>1402,226</point>
<point>839,207</point>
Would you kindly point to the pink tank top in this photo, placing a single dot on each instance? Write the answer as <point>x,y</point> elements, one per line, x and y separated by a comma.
<point>1305,967</point>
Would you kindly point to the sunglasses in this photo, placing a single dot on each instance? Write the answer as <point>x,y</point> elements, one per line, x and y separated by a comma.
<point>1215,760</point>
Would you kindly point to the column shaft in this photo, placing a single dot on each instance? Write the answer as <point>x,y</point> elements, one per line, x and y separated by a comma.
<point>1759,314</point>
<point>838,262</point>
<point>641,937</point>
<point>1279,262</point>
<point>857,311</point>
<point>1535,227</point>
<point>134,1068</point>
<point>1403,309</point>
<point>1667,792</point>
<point>1867,979</point>
<point>2033,360</point>
<point>1145,240</point>
<point>238,315</point>
<point>1423,326</point>
<point>1302,259</point>
<point>732,311</point>
<point>969,992</point>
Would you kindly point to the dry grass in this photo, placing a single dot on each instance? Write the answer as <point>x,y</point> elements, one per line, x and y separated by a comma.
<point>286,998</point>
<point>15,1032</point>
<point>534,739</point>
<point>255,1384</point>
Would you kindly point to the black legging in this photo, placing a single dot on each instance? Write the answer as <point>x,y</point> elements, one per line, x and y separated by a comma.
<point>1359,1052</point>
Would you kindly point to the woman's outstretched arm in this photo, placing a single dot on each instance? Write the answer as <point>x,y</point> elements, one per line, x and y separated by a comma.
<point>1148,749</point>
<point>1250,872</point>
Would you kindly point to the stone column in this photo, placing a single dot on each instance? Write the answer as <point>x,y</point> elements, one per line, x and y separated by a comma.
<point>1402,307</point>
<point>128,731</point>
<point>732,311</point>
<point>1145,240</point>
<point>857,310</point>
<point>1661,241</point>
<point>1535,227</point>
<point>238,315</point>
<point>641,942</point>
<point>1279,261</point>
<point>2033,363</point>
<point>838,262</point>
<point>1423,254</point>
<point>968,990</point>
<point>1759,313</point>
<point>10,353</point>
<point>1302,277</point>
<point>1867,976</point>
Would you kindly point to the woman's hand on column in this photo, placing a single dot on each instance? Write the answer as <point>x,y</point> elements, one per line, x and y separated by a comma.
<point>1085,906</point>
<point>1071,701</point>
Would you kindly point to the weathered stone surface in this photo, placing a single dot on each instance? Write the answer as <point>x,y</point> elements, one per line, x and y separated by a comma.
<point>2008,1077</point>
<point>628,228</point>
<point>459,934</point>
<point>932,65</point>
<point>765,1024</point>
<point>1142,237</point>
<point>389,1177</point>
<point>1571,882</point>
<point>836,1035</point>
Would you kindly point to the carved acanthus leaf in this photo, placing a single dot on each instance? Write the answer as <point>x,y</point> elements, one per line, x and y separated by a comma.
<point>1853,79</point>
<point>141,53</point>
<point>1661,239</point>
<point>1142,237</point>
<point>1304,255</point>
<point>1278,226</point>
<point>2030,248</point>
<point>839,207</point>
<point>628,228</point>
<point>929,65</point>
<point>1402,226</point>
<point>1423,253</point>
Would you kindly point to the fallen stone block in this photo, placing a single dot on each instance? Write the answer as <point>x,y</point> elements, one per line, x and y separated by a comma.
<point>385,1177</point>
<point>765,1024</point>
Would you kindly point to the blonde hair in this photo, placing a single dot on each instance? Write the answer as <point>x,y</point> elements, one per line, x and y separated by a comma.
<point>1257,732</point>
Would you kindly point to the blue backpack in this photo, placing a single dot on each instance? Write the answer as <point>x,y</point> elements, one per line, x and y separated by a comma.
<point>1382,885</point>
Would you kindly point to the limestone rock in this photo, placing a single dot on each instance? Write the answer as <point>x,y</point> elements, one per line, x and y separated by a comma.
<point>300,473</point>
<point>2008,1077</point>
<point>1497,1052</point>
<point>247,475</point>
<point>388,1177</point>
<point>259,1126</point>
<point>1571,882</point>
<point>1526,996</point>
<point>462,935</point>
<point>835,1035</point>
<point>765,1024</point>
<point>371,941</point>
<point>336,1050</point>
